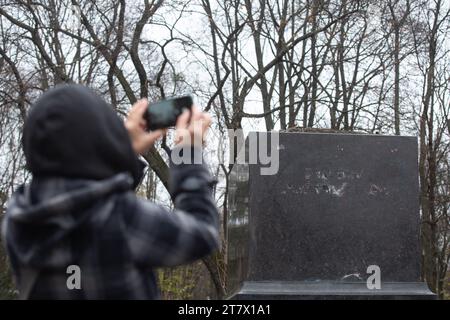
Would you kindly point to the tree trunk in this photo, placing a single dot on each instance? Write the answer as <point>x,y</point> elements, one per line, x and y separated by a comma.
<point>397,80</point>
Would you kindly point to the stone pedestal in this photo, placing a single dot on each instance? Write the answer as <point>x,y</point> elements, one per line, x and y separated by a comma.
<point>339,207</point>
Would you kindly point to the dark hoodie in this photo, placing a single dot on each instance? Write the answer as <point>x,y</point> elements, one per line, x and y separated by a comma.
<point>80,209</point>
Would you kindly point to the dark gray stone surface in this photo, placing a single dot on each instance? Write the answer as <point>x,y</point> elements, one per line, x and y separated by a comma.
<point>338,204</point>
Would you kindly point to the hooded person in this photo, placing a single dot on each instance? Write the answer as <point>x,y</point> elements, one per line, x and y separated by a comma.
<point>78,230</point>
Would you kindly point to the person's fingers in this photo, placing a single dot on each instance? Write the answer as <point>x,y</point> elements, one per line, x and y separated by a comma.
<point>195,121</point>
<point>143,124</point>
<point>182,121</point>
<point>137,111</point>
<point>202,122</point>
<point>192,130</point>
<point>196,113</point>
<point>142,107</point>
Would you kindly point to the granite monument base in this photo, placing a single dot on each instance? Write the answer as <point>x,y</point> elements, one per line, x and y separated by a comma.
<point>338,205</point>
<point>328,290</point>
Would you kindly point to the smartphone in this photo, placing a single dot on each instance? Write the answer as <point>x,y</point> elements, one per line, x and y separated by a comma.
<point>164,113</point>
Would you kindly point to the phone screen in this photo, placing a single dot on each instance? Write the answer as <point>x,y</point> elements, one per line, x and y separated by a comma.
<point>164,113</point>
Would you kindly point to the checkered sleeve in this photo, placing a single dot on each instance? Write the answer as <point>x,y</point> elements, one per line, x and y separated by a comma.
<point>160,237</point>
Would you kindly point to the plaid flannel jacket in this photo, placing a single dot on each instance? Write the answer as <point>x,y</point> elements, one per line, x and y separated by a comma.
<point>115,238</point>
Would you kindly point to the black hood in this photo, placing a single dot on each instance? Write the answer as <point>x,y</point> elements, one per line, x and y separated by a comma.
<point>72,132</point>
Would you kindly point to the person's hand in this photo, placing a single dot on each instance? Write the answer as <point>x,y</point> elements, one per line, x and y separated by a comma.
<point>136,125</point>
<point>193,131</point>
